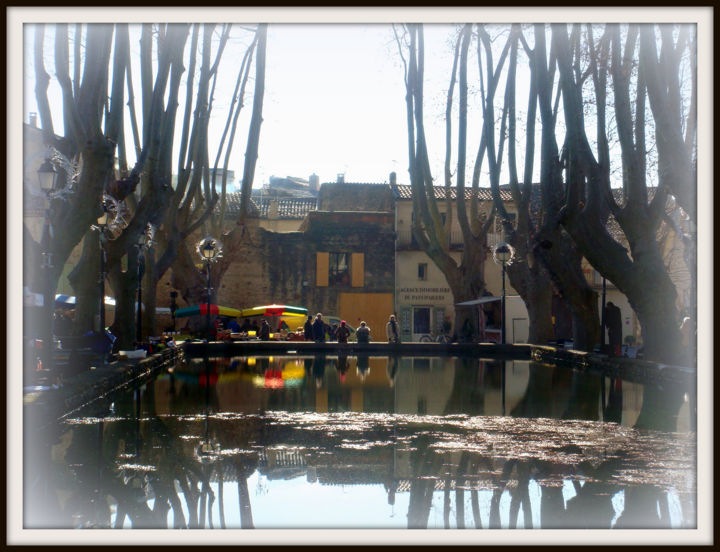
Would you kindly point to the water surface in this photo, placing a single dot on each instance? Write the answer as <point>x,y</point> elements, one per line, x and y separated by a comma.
<point>369,442</point>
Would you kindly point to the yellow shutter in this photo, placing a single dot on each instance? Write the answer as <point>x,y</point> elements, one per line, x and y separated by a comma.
<point>357,265</point>
<point>322,269</point>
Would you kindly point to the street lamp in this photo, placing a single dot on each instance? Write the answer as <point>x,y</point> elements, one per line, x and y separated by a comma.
<point>101,227</point>
<point>603,321</point>
<point>173,306</point>
<point>209,249</point>
<point>102,223</point>
<point>47,179</point>
<point>503,254</point>
<point>144,241</point>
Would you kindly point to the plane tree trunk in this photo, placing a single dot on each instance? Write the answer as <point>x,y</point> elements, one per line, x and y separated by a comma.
<point>638,269</point>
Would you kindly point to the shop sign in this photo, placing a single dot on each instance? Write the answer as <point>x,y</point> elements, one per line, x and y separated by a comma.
<point>424,294</point>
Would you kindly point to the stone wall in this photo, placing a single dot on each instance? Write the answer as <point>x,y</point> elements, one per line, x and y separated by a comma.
<point>355,197</point>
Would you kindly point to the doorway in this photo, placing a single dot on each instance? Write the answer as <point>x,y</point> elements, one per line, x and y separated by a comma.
<point>420,322</point>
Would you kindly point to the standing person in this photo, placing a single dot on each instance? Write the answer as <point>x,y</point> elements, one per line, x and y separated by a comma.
<point>363,333</point>
<point>308,329</point>
<point>688,340</point>
<point>466,331</point>
<point>318,328</point>
<point>391,329</point>
<point>264,331</point>
<point>342,332</point>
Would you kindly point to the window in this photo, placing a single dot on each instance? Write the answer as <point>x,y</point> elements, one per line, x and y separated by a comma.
<point>339,269</point>
<point>422,271</point>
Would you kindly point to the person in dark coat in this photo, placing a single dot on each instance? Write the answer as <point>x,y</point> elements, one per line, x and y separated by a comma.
<point>308,329</point>
<point>264,330</point>
<point>363,333</point>
<point>342,332</point>
<point>318,328</point>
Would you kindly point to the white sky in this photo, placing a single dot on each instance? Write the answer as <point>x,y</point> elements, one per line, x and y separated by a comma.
<point>334,100</point>
<point>335,103</point>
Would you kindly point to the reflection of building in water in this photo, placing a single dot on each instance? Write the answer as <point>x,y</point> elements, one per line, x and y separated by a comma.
<point>282,463</point>
<point>516,380</point>
<point>423,385</point>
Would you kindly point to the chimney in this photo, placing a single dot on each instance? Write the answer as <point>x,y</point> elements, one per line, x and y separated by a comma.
<point>33,119</point>
<point>314,182</point>
<point>341,178</point>
<point>393,178</point>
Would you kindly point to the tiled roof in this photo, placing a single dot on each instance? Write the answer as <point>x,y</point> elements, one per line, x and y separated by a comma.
<point>233,205</point>
<point>290,208</point>
<point>404,191</point>
<point>358,183</point>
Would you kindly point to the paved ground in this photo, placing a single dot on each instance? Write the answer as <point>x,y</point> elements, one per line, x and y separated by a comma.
<point>45,400</point>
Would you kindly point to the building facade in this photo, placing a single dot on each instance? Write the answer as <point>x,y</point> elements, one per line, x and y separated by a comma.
<point>347,249</point>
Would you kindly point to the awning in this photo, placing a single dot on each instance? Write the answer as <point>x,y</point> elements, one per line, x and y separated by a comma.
<point>69,301</point>
<point>484,300</point>
<point>275,310</point>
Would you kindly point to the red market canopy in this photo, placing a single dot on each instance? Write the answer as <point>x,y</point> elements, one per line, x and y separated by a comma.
<point>202,308</point>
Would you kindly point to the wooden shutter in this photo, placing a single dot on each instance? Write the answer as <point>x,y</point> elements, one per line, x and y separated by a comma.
<point>322,269</point>
<point>357,265</point>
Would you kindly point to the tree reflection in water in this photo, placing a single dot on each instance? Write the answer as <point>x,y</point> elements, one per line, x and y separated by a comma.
<point>173,444</point>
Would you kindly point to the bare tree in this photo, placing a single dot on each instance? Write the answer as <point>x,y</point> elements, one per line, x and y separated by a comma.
<point>185,276</point>
<point>638,269</point>
<point>549,257</point>
<point>76,204</point>
<point>144,195</point>
<point>466,277</point>
<point>527,275</point>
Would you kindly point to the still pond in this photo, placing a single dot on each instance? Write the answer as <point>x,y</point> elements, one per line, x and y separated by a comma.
<point>369,442</point>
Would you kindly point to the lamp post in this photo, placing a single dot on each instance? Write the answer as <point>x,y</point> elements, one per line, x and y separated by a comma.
<point>143,243</point>
<point>603,321</point>
<point>208,250</point>
<point>173,306</point>
<point>503,255</point>
<point>101,227</point>
<point>47,177</point>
